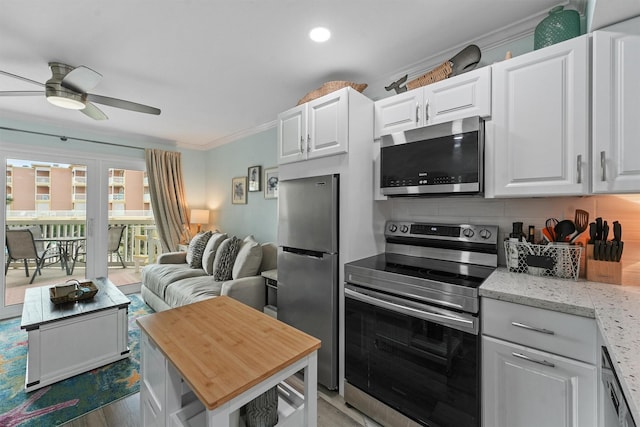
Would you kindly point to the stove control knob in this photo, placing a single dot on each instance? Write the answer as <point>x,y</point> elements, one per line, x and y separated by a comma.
<point>393,228</point>
<point>485,234</point>
<point>468,232</point>
<point>404,228</point>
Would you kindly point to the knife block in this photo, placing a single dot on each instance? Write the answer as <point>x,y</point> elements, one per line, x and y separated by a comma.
<point>603,271</point>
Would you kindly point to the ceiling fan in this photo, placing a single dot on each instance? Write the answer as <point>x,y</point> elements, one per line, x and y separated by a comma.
<point>68,87</point>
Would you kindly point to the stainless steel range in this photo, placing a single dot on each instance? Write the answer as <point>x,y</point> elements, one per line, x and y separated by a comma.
<point>412,338</point>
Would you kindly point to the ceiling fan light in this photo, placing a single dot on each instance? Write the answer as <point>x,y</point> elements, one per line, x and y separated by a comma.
<point>68,103</point>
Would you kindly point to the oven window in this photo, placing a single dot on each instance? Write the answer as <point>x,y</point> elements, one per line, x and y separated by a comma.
<point>424,370</point>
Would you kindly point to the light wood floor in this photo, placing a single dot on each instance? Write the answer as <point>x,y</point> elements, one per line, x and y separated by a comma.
<point>332,412</point>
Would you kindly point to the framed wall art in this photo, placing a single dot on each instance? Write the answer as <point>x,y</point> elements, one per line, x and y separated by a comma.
<point>239,190</point>
<point>271,183</point>
<point>255,176</point>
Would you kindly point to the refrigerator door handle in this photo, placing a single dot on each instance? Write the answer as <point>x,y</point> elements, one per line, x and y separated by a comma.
<point>305,252</point>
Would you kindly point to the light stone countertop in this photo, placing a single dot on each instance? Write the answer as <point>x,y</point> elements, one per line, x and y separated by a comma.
<point>615,308</point>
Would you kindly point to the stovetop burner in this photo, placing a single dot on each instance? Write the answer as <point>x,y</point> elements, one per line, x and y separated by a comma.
<point>435,263</point>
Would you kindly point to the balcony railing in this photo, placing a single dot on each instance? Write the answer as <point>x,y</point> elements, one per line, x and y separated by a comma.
<point>79,197</point>
<point>140,237</point>
<point>116,180</point>
<point>43,197</point>
<point>118,196</point>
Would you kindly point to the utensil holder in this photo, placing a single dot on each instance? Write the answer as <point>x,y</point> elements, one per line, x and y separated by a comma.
<point>561,261</point>
<point>603,271</point>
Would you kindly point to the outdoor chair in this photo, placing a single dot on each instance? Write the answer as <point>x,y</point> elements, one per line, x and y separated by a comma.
<point>22,246</point>
<point>114,240</point>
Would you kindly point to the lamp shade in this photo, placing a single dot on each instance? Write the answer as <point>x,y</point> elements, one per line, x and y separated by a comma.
<point>199,216</point>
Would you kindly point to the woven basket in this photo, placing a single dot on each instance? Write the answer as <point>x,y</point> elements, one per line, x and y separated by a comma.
<point>329,87</point>
<point>441,72</point>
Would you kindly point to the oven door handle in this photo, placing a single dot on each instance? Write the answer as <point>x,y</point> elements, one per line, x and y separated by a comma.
<point>452,321</point>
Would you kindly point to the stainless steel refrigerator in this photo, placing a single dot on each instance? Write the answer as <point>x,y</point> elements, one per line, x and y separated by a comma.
<point>308,264</point>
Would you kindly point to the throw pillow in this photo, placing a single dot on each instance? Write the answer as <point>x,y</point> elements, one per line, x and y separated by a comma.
<point>248,260</point>
<point>198,249</point>
<point>225,257</point>
<point>192,244</point>
<point>210,252</point>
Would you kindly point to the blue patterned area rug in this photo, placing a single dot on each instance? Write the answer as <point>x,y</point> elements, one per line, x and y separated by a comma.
<point>68,399</point>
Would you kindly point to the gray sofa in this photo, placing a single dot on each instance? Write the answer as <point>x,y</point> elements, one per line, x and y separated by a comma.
<point>177,280</point>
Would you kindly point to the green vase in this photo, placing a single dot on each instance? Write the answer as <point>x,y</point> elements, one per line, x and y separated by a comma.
<point>559,26</point>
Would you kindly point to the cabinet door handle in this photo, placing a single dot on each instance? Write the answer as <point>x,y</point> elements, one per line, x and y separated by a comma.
<point>533,328</point>
<point>301,144</point>
<point>579,166</point>
<point>426,112</point>
<point>417,113</point>
<point>540,362</point>
<point>603,165</point>
<point>308,143</point>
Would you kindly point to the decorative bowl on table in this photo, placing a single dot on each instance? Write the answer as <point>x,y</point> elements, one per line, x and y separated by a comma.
<point>72,290</point>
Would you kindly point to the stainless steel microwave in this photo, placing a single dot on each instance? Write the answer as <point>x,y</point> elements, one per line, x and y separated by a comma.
<point>440,159</point>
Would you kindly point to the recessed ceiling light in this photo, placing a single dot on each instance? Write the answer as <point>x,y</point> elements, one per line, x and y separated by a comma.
<point>319,34</point>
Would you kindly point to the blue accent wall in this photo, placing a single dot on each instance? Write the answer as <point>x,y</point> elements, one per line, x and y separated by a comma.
<point>259,216</point>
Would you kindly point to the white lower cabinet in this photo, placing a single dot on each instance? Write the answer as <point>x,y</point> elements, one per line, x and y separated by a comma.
<point>523,387</point>
<point>538,367</point>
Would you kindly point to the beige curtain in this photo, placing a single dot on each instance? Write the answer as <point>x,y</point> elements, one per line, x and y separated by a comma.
<point>166,188</point>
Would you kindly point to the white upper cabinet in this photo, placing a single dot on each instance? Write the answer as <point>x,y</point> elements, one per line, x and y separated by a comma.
<point>292,134</point>
<point>537,140</point>
<point>466,95</point>
<point>317,128</point>
<point>616,108</point>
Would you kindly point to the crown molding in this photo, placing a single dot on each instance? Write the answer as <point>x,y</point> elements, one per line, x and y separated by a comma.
<point>230,138</point>
<point>504,36</point>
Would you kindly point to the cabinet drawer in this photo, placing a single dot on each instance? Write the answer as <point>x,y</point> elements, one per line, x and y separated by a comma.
<point>559,333</point>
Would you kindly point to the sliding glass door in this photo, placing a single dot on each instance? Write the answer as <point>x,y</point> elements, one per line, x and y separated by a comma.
<point>45,223</point>
<point>70,205</point>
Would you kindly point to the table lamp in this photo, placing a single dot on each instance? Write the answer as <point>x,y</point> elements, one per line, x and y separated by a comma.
<point>199,217</point>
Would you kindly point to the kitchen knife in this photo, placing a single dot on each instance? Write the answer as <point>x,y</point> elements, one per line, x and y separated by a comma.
<point>596,250</point>
<point>592,233</point>
<point>605,231</point>
<point>607,251</point>
<point>620,248</point>
<point>617,231</point>
<point>598,228</point>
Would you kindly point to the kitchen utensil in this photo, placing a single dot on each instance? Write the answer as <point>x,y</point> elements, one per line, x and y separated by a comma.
<point>607,251</point>
<point>605,231</point>
<point>620,248</point>
<point>550,225</point>
<point>617,231</point>
<point>598,229</point>
<point>581,222</point>
<point>564,229</point>
<point>592,233</point>
<point>597,246</point>
<point>547,235</point>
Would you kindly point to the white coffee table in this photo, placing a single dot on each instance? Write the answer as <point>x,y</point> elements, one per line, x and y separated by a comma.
<point>71,338</point>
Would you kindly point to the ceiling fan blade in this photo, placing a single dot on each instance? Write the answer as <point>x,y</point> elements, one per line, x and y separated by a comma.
<point>120,103</point>
<point>94,112</point>
<point>21,78</point>
<point>22,93</point>
<point>81,79</point>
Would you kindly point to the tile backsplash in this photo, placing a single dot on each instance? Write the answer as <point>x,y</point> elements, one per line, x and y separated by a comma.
<point>531,211</point>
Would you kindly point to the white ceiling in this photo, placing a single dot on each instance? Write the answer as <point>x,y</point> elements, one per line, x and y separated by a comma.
<point>219,68</point>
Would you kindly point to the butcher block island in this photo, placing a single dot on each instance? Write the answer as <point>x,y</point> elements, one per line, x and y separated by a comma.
<point>202,362</point>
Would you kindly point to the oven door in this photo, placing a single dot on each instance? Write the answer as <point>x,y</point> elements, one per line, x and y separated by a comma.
<point>418,359</point>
